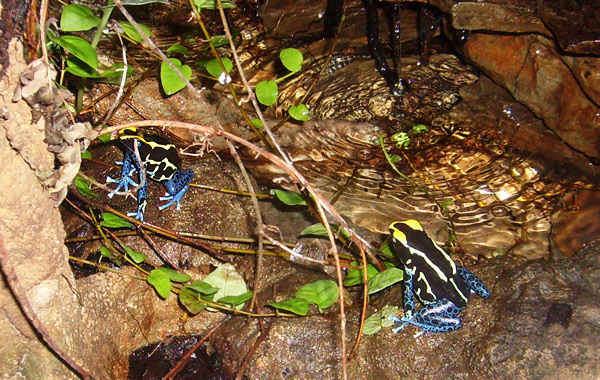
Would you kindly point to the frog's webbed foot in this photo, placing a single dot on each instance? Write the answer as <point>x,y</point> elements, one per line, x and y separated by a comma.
<point>399,320</point>
<point>176,188</point>
<point>139,214</point>
<point>173,199</point>
<point>125,180</point>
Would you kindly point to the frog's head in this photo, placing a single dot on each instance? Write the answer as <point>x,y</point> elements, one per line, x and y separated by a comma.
<point>408,238</point>
<point>128,136</point>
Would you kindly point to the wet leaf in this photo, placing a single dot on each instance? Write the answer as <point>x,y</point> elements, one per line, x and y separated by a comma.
<point>322,293</point>
<point>295,305</point>
<point>203,287</point>
<point>214,69</point>
<point>384,279</point>
<point>189,299</point>
<point>289,198</point>
<point>76,17</point>
<point>378,320</point>
<point>161,283</point>
<point>299,112</point>
<point>132,33</point>
<point>177,49</point>
<point>136,256</point>
<point>110,220</point>
<point>291,59</point>
<point>228,281</point>
<point>174,275</point>
<point>85,187</point>
<point>355,276</point>
<point>236,300</point>
<point>170,81</point>
<point>266,92</point>
<point>80,48</point>
<point>316,230</point>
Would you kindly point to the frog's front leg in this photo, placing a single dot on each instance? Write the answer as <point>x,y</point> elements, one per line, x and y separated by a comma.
<point>474,283</point>
<point>409,301</point>
<point>127,170</point>
<point>139,214</point>
<point>439,316</point>
<point>176,188</point>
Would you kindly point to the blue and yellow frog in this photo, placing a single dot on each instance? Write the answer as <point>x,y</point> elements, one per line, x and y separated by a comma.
<point>430,274</point>
<point>161,163</point>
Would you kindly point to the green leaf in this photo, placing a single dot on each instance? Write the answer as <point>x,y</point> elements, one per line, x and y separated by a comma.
<point>85,187</point>
<point>295,305</point>
<point>395,158</point>
<point>228,280</point>
<point>291,59</point>
<point>189,298</point>
<point>266,92</point>
<point>315,230</point>
<point>170,81</point>
<point>214,69</point>
<point>80,48</point>
<point>257,123</point>
<point>203,287</point>
<point>322,293</point>
<point>105,252</point>
<point>143,2</point>
<point>378,320</point>
<point>136,256</point>
<point>236,300</point>
<point>132,33</point>
<point>110,220</point>
<point>355,276</point>
<point>299,112</point>
<point>161,283</point>
<point>420,128</point>
<point>387,248</point>
<point>219,41</point>
<point>105,138</point>
<point>81,69</point>
<point>116,71</point>
<point>174,275</point>
<point>86,155</point>
<point>289,198</point>
<point>212,4</point>
<point>401,139</point>
<point>384,279</point>
<point>77,17</point>
<point>177,49</point>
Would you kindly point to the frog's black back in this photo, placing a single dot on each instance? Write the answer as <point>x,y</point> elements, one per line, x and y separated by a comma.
<point>435,275</point>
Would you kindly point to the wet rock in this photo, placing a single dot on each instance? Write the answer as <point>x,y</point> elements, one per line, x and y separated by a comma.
<point>570,23</point>
<point>489,108</point>
<point>532,70</point>
<point>540,322</point>
<point>497,16</point>
<point>576,225</point>
<point>586,71</point>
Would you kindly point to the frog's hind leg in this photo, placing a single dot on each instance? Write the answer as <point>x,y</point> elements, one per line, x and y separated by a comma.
<point>176,188</point>
<point>139,214</point>
<point>439,316</point>
<point>475,284</point>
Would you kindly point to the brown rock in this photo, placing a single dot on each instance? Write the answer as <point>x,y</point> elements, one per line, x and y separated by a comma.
<point>532,70</point>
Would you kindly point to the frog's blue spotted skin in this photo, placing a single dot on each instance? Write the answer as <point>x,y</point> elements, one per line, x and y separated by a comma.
<point>161,163</point>
<point>431,276</point>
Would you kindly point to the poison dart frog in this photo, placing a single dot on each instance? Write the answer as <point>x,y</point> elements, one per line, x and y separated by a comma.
<point>161,163</point>
<point>431,275</point>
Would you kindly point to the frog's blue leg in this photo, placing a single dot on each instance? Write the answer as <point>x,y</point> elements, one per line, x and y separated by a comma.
<point>176,187</point>
<point>409,301</point>
<point>127,170</point>
<point>439,316</point>
<point>475,284</point>
<point>139,214</point>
